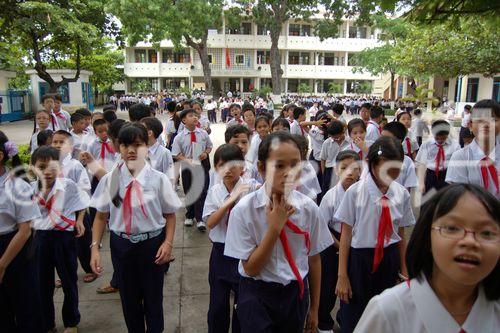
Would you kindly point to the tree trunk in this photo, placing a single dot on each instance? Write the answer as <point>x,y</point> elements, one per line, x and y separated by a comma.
<point>392,95</point>
<point>201,48</point>
<point>276,72</point>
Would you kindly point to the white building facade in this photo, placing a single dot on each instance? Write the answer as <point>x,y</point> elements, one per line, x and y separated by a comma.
<point>240,60</point>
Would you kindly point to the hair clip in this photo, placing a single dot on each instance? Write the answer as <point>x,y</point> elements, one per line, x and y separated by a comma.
<point>379,151</point>
<point>11,148</point>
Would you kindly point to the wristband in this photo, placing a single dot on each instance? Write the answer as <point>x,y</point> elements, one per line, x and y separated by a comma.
<point>93,244</point>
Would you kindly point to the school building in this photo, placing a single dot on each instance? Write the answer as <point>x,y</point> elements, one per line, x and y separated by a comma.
<point>239,60</point>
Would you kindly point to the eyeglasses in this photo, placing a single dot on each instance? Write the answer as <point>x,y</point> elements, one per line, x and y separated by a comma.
<point>458,233</point>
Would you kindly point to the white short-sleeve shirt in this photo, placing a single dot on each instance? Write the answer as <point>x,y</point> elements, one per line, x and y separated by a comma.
<point>234,121</point>
<point>68,199</point>
<point>308,182</point>
<point>361,209</point>
<point>216,197</point>
<point>158,197</point>
<point>248,226</point>
<point>16,204</point>
<point>408,176</point>
<point>75,171</point>
<point>253,150</point>
<point>161,159</point>
<point>354,147</point>
<point>413,145</point>
<point>329,205</point>
<point>182,142</point>
<point>317,138</point>
<point>428,151</point>
<point>464,166</point>
<point>296,129</point>
<point>94,149</point>
<point>415,308</point>
<point>372,131</point>
<point>329,151</point>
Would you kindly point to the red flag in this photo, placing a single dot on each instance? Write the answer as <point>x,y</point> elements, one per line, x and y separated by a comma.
<point>228,59</point>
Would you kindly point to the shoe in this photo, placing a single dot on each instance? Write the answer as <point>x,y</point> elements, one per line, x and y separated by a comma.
<point>325,331</point>
<point>70,330</point>
<point>107,290</point>
<point>201,226</point>
<point>52,330</point>
<point>188,222</point>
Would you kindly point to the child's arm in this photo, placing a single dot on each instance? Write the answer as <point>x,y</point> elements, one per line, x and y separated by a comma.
<point>92,165</point>
<point>343,289</point>
<point>165,251</point>
<point>322,166</point>
<point>402,251</point>
<point>15,245</point>
<point>80,228</point>
<point>315,288</point>
<point>97,232</point>
<point>277,214</point>
<point>421,169</point>
<point>216,217</point>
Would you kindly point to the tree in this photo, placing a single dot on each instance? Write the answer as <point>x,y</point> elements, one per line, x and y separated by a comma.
<point>304,88</point>
<point>55,30</point>
<point>335,88</point>
<point>141,86</point>
<point>184,22</point>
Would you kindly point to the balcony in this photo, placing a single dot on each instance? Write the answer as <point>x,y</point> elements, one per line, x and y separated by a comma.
<point>330,44</point>
<point>175,69</point>
<point>134,69</point>
<point>324,72</point>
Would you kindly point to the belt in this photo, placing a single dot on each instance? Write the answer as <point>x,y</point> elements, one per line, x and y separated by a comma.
<point>136,238</point>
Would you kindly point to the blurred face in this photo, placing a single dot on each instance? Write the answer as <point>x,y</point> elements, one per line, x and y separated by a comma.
<point>302,117</point>
<point>241,140</point>
<point>57,105</point>
<point>262,129</point>
<point>441,138</point>
<point>61,143</point>
<point>48,104</point>
<point>97,116</point>
<point>249,118</point>
<point>230,172</point>
<point>79,126</point>
<point>48,170</point>
<point>87,121</point>
<point>282,168</point>
<point>134,154</point>
<point>280,127</point>
<point>358,132</point>
<point>364,113</point>
<point>338,138</point>
<point>235,112</point>
<point>102,132</point>
<point>405,120</point>
<point>190,120</point>
<point>348,171</point>
<point>386,171</point>
<point>466,261</point>
<point>42,119</point>
<point>197,108</point>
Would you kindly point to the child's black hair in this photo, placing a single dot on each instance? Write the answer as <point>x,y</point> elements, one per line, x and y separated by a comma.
<point>234,105</point>
<point>347,154</point>
<point>419,257</point>
<point>467,107</point>
<point>196,102</point>
<point>336,127</point>
<point>488,104</point>
<point>43,137</point>
<point>401,114</point>
<point>234,130</point>
<point>303,144</point>
<point>356,122</point>
<point>153,124</point>
<point>227,153</point>
<point>376,111</point>
<point>109,116</point>
<point>110,107</point>
<point>99,122</point>
<point>41,111</point>
<point>138,111</point>
<point>261,118</point>
<point>131,132</point>
<point>366,106</point>
<point>297,112</point>
<point>397,129</point>
<point>171,106</point>
<point>440,127</point>
<point>76,116</point>
<point>47,96</point>
<point>45,153</point>
<point>273,138</point>
<point>85,112</point>
<point>384,148</point>
<point>247,107</point>
<point>338,108</point>
<point>16,161</point>
<point>115,127</point>
<point>184,113</point>
<point>281,121</point>
<point>417,112</point>
<point>64,133</point>
<point>58,97</point>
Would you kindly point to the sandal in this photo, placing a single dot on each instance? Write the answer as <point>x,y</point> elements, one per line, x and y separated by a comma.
<point>58,283</point>
<point>89,277</point>
<point>107,290</point>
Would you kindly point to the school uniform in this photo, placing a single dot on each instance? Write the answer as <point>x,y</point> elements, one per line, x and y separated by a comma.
<point>253,150</point>
<point>374,256</point>
<point>137,231</point>
<point>56,247</point>
<point>103,152</point>
<point>464,128</point>
<point>317,138</point>
<point>81,141</point>
<point>308,181</point>
<point>408,176</point>
<point>276,299</point>
<point>410,146</point>
<point>329,257</point>
<point>19,298</point>
<point>354,147</point>
<point>63,120</point>
<point>297,129</point>
<point>471,165</point>
<point>192,173</point>
<point>34,141</point>
<point>435,157</point>
<point>234,121</point>
<point>250,174</point>
<point>329,151</point>
<point>223,275</point>
<point>373,131</point>
<point>161,159</point>
<point>418,129</point>
<point>414,307</point>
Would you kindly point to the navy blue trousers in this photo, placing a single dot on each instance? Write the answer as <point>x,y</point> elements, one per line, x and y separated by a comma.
<point>20,309</point>
<point>57,249</point>
<point>269,307</point>
<point>327,181</point>
<point>366,284</point>
<point>223,277</point>
<point>224,115</point>
<point>329,272</point>
<point>195,210</point>
<point>140,281</point>
<point>431,181</point>
<point>317,166</point>
<point>83,245</point>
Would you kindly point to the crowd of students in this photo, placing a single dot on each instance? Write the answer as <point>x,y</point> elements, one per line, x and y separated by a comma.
<point>292,227</point>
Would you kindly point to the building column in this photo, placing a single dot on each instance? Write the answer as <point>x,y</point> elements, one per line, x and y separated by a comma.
<point>241,85</point>
<point>345,87</point>
<point>315,86</point>
<point>405,87</point>
<point>346,29</point>
<point>256,83</point>
<point>286,86</point>
<point>463,89</point>
<point>346,60</point>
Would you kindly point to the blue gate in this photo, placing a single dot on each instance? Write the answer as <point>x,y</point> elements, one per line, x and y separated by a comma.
<point>13,105</point>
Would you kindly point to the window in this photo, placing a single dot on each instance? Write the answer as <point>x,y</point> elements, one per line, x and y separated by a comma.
<point>244,29</point>
<point>247,85</point>
<point>84,92</point>
<point>299,30</point>
<point>43,88</point>
<point>169,56</point>
<point>496,89</point>
<point>210,58</point>
<point>294,30</point>
<point>357,32</point>
<point>472,87</point>
<point>293,85</point>
<point>140,55</point>
<point>239,59</point>
<point>262,30</point>
<point>293,58</point>
<point>263,57</point>
<point>306,30</point>
<point>351,61</point>
<point>266,83</point>
<point>329,59</point>
<point>304,58</point>
<point>152,56</point>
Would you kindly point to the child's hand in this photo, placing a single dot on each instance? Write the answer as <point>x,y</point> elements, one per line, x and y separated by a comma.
<point>237,192</point>
<point>95,261</point>
<point>2,272</point>
<point>311,321</point>
<point>343,289</point>
<point>278,212</point>
<point>203,156</point>
<point>164,254</point>
<point>80,229</point>
<point>85,157</point>
<point>361,144</point>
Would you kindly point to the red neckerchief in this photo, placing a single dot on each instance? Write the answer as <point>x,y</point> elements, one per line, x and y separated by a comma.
<point>384,232</point>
